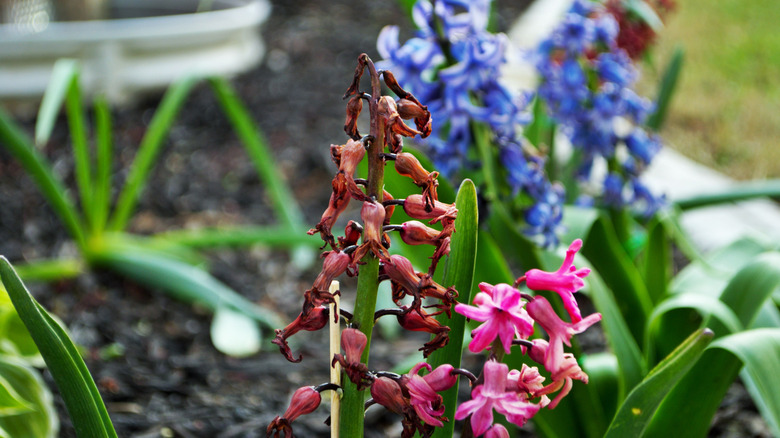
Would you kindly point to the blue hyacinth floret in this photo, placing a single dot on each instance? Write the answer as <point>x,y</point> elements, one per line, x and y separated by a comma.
<point>452,65</point>
<point>586,83</point>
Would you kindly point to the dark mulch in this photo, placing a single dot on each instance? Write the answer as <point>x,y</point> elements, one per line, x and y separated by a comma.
<point>167,380</point>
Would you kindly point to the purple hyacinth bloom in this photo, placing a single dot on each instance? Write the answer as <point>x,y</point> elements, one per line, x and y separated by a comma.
<point>585,86</point>
<point>462,86</point>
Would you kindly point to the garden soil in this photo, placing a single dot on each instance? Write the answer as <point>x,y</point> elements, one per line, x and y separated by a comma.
<point>150,355</point>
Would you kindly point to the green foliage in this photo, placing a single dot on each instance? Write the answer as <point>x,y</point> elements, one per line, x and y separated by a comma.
<point>458,272</point>
<point>635,412</point>
<point>78,390</point>
<point>26,404</point>
<point>100,233</point>
<point>666,90</point>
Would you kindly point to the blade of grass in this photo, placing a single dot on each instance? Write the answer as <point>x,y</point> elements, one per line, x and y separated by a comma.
<point>753,285</point>
<point>684,313</point>
<point>657,264</point>
<point>102,185</point>
<point>622,343</point>
<point>666,90</point>
<point>180,280</point>
<point>637,410</point>
<point>609,258</point>
<point>512,241</point>
<point>759,351</point>
<point>62,75</point>
<point>77,388</point>
<point>257,147</point>
<point>50,270</point>
<point>147,151</point>
<point>78,136</point>
<point>693,402</point>
<point>19,145</point>
<point>737,192</point>
<point>458,272</point>
<point>278,236</point>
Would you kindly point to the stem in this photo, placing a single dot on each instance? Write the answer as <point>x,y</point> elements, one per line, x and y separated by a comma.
<point>352,405</point>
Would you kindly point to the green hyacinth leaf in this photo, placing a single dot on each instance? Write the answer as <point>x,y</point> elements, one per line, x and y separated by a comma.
<point>458,272</point>
<point>638,408</point>
<point>77,388</point>
<point>757,350</point>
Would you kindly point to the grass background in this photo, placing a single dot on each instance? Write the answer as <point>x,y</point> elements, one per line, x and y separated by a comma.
<point>726,112</point>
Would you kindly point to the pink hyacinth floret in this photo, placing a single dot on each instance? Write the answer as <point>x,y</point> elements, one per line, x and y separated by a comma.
<point>422,391</point>
<point>500,307</point>
<point>563,377</point>
<point>565,281</point>
<point>558,330</point>
<point>493,394</point>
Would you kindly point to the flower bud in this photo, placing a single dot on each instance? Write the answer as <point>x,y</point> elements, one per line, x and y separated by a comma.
<point>353,341</point>
<point>419,321</point>
<point>409,110</point>
<point>304,401</point>
<point>441,378</point>
<point>354,106</point>
<point>497,431</point>
<point>334,264</point>
<point>373,215</point>
<point>386,392</point>
<point>415,207</point>
<point>352,233</point>
<point>407,164</point>
<point>417,233</point>
<point>313,320</point>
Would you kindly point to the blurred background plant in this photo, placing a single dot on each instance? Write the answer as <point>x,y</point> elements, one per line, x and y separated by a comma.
<point>167,261</point>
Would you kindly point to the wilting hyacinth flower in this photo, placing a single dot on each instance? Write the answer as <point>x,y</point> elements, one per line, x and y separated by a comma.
<point>453,65</point>
<point>586,80</point>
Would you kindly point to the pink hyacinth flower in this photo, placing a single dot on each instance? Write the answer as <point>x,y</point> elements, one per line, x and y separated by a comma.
<point>501,309</point>
<point>422,395</point>
<point>562,377</point>
<point>492,394</point>
<point>565,281</point>
<point>559,331</point>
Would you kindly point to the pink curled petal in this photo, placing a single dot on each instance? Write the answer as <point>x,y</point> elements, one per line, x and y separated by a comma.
<point>518,412</point>
<point>427,418</point>
<point>506,296</point>
<point>564,391</point>
<point>483,337</point>
<point>486,288</point>
<point>468,407</point>
<point>507,335</point>
<point>421,398</point>
<point>495,378</point>
<point>441,378</point>
<point>497,431</point>
<point>475,313</point>
<point>420,366</point>
<point>523,323</point>
<point>482,418</point>
<point>583,325</point>
<point>483,299</point>
<point>570,304</point>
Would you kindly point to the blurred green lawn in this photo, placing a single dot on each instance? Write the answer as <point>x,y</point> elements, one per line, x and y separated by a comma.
<point>726,113</point>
